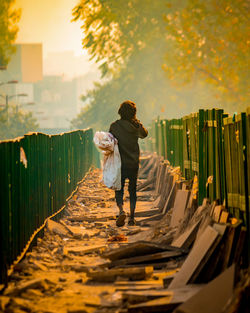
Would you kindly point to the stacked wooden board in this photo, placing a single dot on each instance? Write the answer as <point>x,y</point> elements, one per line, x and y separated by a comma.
<point>203,251</point>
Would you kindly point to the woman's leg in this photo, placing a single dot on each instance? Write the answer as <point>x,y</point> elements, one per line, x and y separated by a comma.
<point>133,173</point>
<point>120,221</point>
<point>119,194</point>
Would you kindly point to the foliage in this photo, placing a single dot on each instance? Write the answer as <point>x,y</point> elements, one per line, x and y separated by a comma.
<point>205,58</point>
<point>9,18</point>
<point>115,30</point>
<point>210,41</point>
<point>140,82</point>
<point>16,124</point>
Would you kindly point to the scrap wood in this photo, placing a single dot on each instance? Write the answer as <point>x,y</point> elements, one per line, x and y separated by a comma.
<point>139,285</point>
<point>169,203</point>
<point>213,296</point>
<point>133,297</point>
<point>213,266</point>
<point>163,303</point>
<point>180,205</point>
<point>195,259</point>
<point>186,239</point>
<point>147,184</point>
<point>135,273</point>
<point>239,301</point>
<point>139,248</point>
<point>120,237</point>
<point>160,256</point>
<point>191,217</point>
<point>147,164</point>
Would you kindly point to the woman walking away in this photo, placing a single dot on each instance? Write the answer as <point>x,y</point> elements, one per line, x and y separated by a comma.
<point>127,130</point>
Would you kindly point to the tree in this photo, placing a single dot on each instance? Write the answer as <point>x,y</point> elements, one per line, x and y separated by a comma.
<point>142,81</point>
<point>115,30</point>
<point>9,18</point>
<point>210,40</point>
<point>134,40</point>
<point>16,123</point>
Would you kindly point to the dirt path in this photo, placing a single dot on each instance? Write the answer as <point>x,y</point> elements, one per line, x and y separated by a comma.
<point>53,277</point>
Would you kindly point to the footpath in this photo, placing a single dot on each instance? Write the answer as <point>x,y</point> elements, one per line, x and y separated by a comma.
<point>85,263</point>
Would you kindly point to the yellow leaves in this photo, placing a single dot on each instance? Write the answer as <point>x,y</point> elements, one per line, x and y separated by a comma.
<point>201,42</point>
<point>229,9</point>
<point>235,20</point>
<point>164,67</point>
<point>169,17</point>
<point>189,51</point>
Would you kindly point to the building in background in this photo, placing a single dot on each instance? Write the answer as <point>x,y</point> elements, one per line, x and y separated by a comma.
<point>26,67</point>
<point>56,97</point>
<point>26,64</point>
<point>58,101</point>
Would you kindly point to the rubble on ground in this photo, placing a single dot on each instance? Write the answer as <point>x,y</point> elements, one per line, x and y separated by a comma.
<point>176,258</point>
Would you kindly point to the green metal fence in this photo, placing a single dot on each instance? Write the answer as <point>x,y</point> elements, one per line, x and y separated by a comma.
<point>38,172</point>
<point>216,148</point>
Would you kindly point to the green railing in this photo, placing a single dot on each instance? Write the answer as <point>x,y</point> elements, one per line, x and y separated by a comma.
<point>216,148</point>
<point>38,173</point>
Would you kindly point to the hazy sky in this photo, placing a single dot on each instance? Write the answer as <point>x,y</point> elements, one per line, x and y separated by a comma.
<point>48,22</point>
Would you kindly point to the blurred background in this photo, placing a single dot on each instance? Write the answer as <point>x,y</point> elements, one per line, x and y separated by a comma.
<point>68,64</point>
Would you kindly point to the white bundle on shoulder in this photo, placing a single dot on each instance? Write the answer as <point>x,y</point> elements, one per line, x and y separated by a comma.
<point>108,144</point>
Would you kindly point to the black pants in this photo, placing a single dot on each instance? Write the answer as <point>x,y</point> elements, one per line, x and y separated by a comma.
<point>131,174</point>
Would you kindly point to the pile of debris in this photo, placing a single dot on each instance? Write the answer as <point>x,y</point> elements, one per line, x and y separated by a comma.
<point>196,250</point>
<point>178,258</point>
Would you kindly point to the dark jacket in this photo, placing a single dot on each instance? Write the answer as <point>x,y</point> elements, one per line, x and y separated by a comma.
<point>127,134</point>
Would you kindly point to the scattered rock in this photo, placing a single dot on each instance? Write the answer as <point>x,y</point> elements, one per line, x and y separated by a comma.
<point>32,293</point>
<point>30,284</point>
<point>59,289</point>
<point>103,234</point>
<point>57,228</point>
<point>19,303</point>
<point>39,266</point>
<point>62,279</point>
<point>77,310</point>
<point>4,301</point>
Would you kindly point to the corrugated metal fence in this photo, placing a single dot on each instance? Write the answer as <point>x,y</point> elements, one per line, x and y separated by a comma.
<point>214,146</point>
<point>38,172</point>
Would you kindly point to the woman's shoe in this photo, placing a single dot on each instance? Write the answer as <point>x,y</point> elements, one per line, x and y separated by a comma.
<point>131,222</point>
<point>121,219</point>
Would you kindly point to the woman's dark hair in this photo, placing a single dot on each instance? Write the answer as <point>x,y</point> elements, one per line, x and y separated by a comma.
<point>127,110</point>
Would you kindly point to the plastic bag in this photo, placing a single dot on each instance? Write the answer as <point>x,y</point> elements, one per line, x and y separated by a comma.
<point>108,144</point>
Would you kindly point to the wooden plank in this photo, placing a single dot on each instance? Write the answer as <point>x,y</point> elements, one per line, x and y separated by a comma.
<point>217,213</point>
<point>211,270</point>
<point>224,217</point>
<point>240,245</point>
<point>228,247</point>
<point>135,273</point>
<point>187,238</point>
<point>138,285</point>
<point>195,257</point>
<point>167,186</point>
<point>162,177</point>
<point>179,207</point>
<point>170,199</point>
<point>212,297</point>
<point>147,183</point>
<point>161,256</point>
<point>170,301</point>
<point>133,297</point>
<point>158,178</point>
<point>136,249</point>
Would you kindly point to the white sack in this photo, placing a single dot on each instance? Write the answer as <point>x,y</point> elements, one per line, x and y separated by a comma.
<point>108,144</point>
